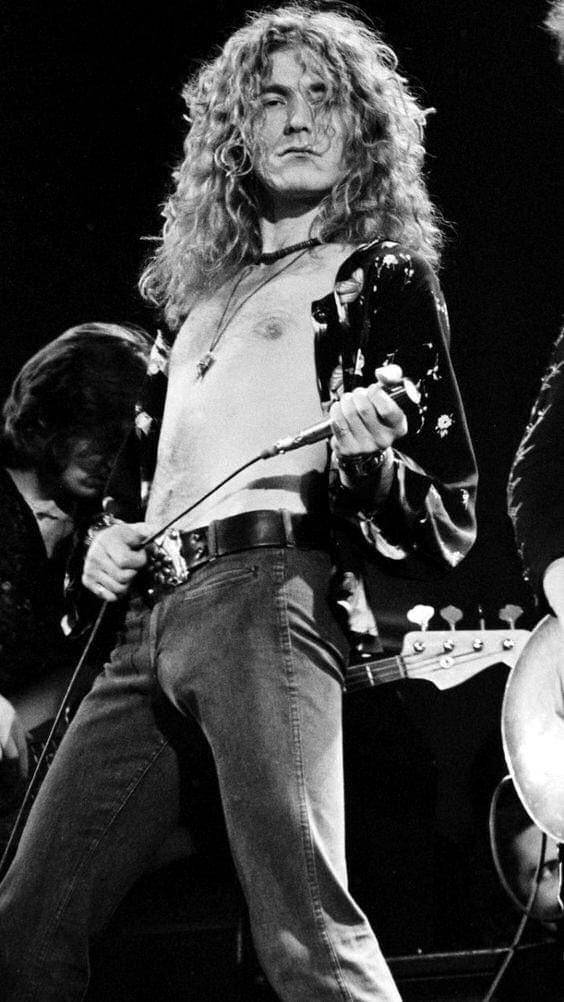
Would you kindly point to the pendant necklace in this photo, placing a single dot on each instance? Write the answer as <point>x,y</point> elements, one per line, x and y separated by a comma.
<point>208,359</point>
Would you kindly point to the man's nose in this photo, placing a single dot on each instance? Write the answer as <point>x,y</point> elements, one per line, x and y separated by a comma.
<point>300,115</point>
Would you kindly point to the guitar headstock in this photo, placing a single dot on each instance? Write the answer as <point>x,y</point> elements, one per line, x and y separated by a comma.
<point>449,657</point>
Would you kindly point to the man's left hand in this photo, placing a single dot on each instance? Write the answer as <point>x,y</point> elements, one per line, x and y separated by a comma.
<point>368,419</point>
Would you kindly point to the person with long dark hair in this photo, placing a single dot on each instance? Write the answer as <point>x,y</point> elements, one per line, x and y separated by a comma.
<point>63,421</point>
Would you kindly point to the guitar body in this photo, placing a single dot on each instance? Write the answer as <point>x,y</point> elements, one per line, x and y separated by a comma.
<point>532,726</point>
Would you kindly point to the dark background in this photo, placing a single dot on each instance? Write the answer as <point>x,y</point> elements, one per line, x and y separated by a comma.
<point>91,127</point>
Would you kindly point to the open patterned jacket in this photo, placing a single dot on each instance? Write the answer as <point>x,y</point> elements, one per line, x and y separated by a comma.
<point>427,520</point>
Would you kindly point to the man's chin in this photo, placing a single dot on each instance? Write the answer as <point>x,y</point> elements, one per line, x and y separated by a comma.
<point>87,490</point>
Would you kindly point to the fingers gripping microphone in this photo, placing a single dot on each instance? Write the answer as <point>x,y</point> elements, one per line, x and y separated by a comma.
<point>405,392</point>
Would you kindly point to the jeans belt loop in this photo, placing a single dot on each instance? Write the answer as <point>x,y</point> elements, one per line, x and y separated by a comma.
<point>212,540</point>
<point>288,527</point>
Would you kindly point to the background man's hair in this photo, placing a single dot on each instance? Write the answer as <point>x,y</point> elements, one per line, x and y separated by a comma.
<point>82,385</point>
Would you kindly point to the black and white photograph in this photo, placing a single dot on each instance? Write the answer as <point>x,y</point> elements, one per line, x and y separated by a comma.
<point>282,501</point>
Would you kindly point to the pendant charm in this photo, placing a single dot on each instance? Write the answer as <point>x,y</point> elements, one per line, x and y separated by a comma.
<point>204,364</point>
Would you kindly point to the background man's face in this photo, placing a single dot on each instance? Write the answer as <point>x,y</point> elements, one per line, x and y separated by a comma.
<point>86,470</point>
<point>527,848</point>
<point>301,146</point>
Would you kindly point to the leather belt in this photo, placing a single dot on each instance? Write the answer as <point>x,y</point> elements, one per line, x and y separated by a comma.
<point>174,556</point>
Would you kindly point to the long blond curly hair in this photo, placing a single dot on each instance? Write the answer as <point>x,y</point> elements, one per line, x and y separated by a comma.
<point>212,216</point>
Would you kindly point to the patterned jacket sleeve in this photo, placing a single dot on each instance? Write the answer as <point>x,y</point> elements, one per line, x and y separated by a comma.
<point>537,476</point>
<point>426,521</point>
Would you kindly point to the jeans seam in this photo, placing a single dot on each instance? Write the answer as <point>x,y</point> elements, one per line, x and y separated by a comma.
<point>43,946</point>
<point>309,854</point>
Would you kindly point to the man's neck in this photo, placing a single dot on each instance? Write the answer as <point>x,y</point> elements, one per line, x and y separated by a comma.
<point>36,490</point>
<point>286,230</point>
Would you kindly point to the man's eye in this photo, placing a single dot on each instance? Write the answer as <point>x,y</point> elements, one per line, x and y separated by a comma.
<point>549,869</point>
<point>318,95</point>
<point>271,102</point>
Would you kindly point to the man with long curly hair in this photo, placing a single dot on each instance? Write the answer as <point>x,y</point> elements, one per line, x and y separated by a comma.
<point>296,275</point>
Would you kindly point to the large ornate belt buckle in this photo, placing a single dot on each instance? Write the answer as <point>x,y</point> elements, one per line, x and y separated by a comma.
<point>166,561</point>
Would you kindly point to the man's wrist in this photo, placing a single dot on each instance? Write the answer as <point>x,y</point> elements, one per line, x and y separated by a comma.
<point>362,467</point>
<point>102,523</point>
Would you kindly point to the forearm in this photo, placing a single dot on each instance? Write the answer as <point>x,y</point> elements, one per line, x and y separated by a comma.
<point>417,511</point>
<point>537,474</point>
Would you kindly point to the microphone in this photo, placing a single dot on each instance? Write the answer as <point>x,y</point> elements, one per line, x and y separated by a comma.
<point>405,392</point>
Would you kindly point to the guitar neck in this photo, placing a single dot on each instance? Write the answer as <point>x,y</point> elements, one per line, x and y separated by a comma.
<point>380,672</point>
<point>445,658</point>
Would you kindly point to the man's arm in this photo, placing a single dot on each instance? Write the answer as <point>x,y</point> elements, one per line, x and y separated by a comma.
<point>416,508</point>
<point>535,488</point>
<point>114,558</point>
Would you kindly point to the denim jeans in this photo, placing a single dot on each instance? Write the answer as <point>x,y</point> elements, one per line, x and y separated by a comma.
<point>250,649</point>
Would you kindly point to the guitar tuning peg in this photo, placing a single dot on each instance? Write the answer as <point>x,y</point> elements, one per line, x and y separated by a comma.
<point>510,614</point>
<point>421,615</point>
<point>451,615</point>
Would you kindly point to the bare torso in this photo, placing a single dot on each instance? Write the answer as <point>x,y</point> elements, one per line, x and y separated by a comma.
<point>260,387</point>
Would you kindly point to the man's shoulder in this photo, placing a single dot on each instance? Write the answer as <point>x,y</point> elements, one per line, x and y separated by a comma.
<point>389,258</point>
<point>15,513</point>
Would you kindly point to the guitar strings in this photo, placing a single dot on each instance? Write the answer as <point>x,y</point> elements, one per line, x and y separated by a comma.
<point>396,668</point>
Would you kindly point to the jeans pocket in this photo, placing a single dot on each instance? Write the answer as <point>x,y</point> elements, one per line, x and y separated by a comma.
<point>219,575</point>
<point>129,655</point>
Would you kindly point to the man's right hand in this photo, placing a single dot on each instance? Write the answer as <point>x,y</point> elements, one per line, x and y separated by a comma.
<point>113,559</point>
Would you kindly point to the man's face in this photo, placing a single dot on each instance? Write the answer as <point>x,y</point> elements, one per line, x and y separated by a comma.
<point>527,848</point>
<point>301,142</point>
<point>86,471</point>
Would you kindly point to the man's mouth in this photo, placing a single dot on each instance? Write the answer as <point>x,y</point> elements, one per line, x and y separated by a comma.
<point>297,150</point>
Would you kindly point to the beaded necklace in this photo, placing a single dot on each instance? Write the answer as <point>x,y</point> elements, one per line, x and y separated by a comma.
<point>272,256</point>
